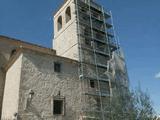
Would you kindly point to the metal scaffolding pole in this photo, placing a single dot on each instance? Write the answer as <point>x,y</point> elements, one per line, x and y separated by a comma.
<point>95,60</point>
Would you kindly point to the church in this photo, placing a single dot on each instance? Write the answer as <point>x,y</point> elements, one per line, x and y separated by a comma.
<point>75,79</point>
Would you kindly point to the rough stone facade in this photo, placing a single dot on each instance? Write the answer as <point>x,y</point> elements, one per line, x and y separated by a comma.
<point>8,47</point>
<point>38,75</point>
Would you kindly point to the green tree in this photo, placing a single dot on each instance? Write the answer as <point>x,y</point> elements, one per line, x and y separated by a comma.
<point>127,105</point>
<point>122,107</point>
<point>143,105</point>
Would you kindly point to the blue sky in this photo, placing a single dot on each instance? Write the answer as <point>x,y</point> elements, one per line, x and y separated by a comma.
<point>137,23</point>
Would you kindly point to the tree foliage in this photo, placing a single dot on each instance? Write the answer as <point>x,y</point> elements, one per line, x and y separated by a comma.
<point>135,105</point>
<point>143,105</point>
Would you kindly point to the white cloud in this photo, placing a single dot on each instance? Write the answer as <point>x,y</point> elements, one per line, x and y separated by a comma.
<point>157,76</point>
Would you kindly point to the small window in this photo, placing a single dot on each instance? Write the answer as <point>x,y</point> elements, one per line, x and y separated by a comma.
<point>57,67</point>
<point>92,83</point>
<point>68,14</point>
<point>59,23</point>
<point>58,107</point>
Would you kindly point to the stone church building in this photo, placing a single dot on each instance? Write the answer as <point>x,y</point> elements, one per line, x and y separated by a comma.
<point>74,80</point>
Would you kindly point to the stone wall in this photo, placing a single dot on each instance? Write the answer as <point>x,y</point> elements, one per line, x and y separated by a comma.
<point>66,40</point>
<point>2,79</point>
<point>1,88</point>
<point>39,76</point>
<point>11,91</point>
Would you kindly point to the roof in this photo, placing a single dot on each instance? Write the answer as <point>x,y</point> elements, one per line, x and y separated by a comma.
<point>7,45</point>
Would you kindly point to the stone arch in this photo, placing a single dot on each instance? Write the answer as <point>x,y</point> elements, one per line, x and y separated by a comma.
<point>59,23</point>
<point>68,14</point>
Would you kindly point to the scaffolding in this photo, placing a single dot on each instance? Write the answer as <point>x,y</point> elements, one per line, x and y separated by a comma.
<point>96,44</point>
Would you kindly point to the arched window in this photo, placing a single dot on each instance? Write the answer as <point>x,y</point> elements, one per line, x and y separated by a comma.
<point>68,14</point>
<point>59,23</point>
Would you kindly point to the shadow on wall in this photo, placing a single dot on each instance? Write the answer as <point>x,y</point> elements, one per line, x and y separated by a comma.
<point>2,79</point>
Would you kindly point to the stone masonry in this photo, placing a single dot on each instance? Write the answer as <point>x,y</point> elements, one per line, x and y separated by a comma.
<point>37,74</point>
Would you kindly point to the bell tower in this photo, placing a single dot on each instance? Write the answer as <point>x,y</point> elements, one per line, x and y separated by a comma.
<point>84,32</point>
<point>65,31</point>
